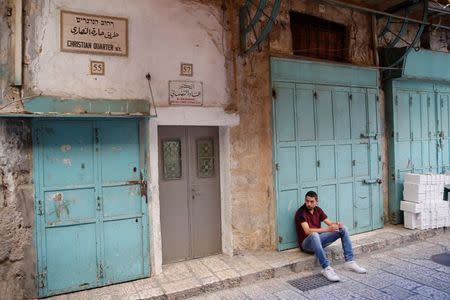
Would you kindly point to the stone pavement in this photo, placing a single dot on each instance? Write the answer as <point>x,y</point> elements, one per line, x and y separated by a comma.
<point>250,271</point>
<point>402,273</point>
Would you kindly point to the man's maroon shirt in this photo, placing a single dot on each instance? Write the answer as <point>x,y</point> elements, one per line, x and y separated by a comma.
<point>314,221</point>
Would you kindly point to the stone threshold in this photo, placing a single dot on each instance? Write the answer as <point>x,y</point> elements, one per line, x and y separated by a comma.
<point>195,277</point>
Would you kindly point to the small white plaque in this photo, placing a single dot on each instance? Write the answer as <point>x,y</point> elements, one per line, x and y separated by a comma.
<point>185,92</point>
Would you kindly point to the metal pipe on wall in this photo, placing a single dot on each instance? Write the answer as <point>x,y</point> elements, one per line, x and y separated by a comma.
<point>18,34</point>
<point>381,13</point>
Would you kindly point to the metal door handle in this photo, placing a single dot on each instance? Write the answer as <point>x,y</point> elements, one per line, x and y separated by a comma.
<point>370,135</point>
<point>195,192</point>
<point>372,181</point>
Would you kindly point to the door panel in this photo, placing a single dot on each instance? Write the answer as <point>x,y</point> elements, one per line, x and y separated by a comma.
<point>69,151</point>
<point>288,166</point>
<point>361,163</point>
<point>123,252</point>
<point>305,113</point>
<point>68,264</point>
<point>344,161</point>
<point>190,203</point>
<point>362,203</point>
<point>341,106</point>
<point>358,115</point>
<point>327,200</point>
<point>403,117</point>
<point>88,175</point>
<point>308,163</point>
<point>205,191</point>
<point>286,115</point>
<point>65,207</point>
<point>287,206</point>
<point>325,115</point>
<point>326,163</point>
<point>122,200</point>
<point>173,187</point>
<point>346,211</point>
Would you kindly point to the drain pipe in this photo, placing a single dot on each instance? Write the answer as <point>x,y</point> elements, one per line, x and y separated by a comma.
<point>18,34</point>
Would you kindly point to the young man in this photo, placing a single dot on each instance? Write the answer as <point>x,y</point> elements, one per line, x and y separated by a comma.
<point>313,239</point>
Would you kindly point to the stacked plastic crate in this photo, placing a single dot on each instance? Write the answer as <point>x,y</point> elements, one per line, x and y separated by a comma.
<point>424,205</point>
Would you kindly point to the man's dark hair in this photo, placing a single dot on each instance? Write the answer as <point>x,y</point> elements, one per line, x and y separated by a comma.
<point>311,194</point>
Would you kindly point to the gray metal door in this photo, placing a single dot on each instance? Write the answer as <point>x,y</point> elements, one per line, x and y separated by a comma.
<point>189,192</point>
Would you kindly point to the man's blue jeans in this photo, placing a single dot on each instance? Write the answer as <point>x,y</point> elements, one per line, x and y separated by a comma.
<point>316,242</point>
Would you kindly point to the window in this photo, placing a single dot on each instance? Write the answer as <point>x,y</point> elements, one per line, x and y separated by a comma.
<point>171,159</point>
<point>318,38</point>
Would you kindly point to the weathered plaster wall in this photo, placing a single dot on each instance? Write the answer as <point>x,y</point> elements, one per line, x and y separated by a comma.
<point>17,256</point>
<point>161,36</point>
<point>254,216</point>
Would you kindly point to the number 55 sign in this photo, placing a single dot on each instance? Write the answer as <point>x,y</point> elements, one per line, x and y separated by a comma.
<point>97,67</point>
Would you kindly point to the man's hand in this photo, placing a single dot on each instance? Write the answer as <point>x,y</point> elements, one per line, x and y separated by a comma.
<point>333,227</point>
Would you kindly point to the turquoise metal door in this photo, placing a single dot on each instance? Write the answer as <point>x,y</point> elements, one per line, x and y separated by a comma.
<point>91,215</point>
<point>419,120</point>
<point>326,140</point>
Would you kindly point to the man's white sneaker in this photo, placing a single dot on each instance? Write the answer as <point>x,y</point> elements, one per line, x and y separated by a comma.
<point>353,266</point>
<point>329,273</point>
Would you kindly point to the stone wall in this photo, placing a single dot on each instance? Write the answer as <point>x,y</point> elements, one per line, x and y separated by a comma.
<point>17,255</point>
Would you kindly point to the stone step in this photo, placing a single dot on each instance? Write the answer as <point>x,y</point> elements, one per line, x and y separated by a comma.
<point>195,277</point>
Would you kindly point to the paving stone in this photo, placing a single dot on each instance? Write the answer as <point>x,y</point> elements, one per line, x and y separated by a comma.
<point>345,294</point>
<point>399,281</point>
<point>283,271</point>
<point>255,292</point>
<point>146,283</point>
<point>232,295</point>
<point>409,268</point>
<point>418,297</point>
<point>432,293</point>
<point>431,282</point>
<point>227,274</point>
<point>289,295</point>
<point>397,292</point>
<point>153,292</point>
<point>318,294</point>
<point>442,276</point>
<point>127,297</point>
<point>178,286</point>
<point>199,269</point>
<point>444,269</point>
<point>239,264</point>
<point>215,264</point>
<point>424,263</point>
<point>273,286</point>
<point>209,280</point>
<point>372,281</point>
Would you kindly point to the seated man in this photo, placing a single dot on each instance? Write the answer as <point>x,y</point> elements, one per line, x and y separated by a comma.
<point>313,239</point>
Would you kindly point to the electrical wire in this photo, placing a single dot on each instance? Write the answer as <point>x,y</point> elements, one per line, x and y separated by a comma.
<point>149,78</point>
<point>18,100</point>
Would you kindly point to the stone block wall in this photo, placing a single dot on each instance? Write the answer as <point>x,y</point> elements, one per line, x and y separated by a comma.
<point>17,255</point>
